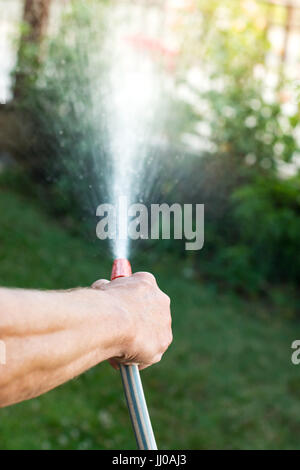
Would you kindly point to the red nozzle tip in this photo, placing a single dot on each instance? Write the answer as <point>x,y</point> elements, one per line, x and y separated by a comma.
<point>121,268</point>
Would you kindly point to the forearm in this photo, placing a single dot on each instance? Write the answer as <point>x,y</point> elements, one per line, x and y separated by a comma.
<point>51,337</point>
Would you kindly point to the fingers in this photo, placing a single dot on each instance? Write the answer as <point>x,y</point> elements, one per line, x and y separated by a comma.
<point>139,276</point>
<point>144,276</point>
<point>149,317</point>
<point>144,366</point>
<point>149,279</point>
<point>100,284</point>
<point>114,363</point>
<point>157,359</point>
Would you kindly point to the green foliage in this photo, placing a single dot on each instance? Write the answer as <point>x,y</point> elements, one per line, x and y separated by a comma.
<point>251,212</point>
<point>246,137</point>
<point>257,210</point>
<point>268,216</point>
<point>65,112</point>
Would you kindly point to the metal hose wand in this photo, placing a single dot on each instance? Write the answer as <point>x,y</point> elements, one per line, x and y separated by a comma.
<point>133,387</point>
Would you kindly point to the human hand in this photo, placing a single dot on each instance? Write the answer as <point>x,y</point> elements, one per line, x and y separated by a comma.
<point>146,308</point>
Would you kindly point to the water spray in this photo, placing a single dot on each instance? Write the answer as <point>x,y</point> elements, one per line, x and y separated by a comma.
<point>129,96</point>
<point>132,383</point>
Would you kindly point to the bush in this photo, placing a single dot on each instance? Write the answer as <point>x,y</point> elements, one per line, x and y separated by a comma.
<point>251,213</point>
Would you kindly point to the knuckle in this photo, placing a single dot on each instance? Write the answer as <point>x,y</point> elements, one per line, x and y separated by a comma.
<point>167,340</point>
<point>100,283</point>
<point>167,343</point>
<point>145,276</point>
<point>157,358</point>
<point>165,299</point>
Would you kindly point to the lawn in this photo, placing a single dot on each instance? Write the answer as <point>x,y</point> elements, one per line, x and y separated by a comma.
<point>226,382</point>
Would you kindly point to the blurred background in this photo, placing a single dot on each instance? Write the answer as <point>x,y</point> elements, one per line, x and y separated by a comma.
<point>224,131</point>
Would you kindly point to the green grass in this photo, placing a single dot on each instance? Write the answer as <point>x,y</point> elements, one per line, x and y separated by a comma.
<point>226,382</point>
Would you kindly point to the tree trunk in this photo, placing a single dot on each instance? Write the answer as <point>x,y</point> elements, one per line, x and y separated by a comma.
<point>35,19</point>
<point>15,132</point>
<point>36,15</point>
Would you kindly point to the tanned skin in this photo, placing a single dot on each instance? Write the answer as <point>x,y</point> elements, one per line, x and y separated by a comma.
<point>53,336</point>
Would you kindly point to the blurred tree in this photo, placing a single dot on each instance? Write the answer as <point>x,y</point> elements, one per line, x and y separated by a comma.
<point>221,100</point>
<point>15,131</point>
<point>35,18</point>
